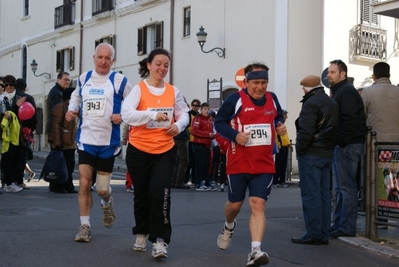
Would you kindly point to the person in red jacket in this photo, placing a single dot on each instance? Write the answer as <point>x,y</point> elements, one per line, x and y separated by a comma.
<point>202,130</point>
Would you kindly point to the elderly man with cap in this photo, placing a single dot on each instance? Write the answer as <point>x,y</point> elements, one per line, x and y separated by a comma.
<point>316,128</point>
<point>249,119</point>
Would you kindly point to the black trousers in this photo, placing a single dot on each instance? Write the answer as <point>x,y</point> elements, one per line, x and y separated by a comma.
<point>69,156</point>
<point>152,176</point>
<point>13,165</point>
<point>281,165</point>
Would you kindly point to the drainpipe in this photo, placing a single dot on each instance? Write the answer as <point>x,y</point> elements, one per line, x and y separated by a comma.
<point>81,38</point>
<point>172,23</point>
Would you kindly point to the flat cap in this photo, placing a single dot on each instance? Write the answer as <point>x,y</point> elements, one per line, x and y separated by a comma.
<point>311,81</point>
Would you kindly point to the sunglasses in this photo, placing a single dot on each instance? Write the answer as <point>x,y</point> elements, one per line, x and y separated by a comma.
<point>7,84</point>
<point>2,85</point>
<point>195,105</point>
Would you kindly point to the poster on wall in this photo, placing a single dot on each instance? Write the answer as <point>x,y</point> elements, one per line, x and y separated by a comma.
<point>388,183</point>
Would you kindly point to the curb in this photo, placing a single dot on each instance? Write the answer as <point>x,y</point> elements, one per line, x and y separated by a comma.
<point>371,246</point>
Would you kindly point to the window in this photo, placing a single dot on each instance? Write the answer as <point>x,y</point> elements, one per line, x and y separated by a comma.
<point>24,61</point>
<point>368,16</point>
<point>110,39</point>
<point>149,37</point>
<point>64,15</point>
<point>26,8</point>
<point>66,59</point>
<point>187,21</point>
<point>100,6</point>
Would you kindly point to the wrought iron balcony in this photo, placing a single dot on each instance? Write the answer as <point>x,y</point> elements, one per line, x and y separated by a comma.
<point>101,6</point>
<point>64,15</point>
<point>368,43</point>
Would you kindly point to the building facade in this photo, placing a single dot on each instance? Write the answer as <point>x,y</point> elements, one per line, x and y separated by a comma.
<point>294,38</point>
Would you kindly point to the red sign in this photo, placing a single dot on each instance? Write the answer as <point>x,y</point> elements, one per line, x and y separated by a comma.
<point>240,77</point>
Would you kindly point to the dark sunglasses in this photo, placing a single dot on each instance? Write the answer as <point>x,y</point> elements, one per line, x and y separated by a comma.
<point>195,105</point>
<point>2,85</point>
<point>7,84</point>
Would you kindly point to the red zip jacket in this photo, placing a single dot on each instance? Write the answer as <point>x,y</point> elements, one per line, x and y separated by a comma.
<point>200,129</point>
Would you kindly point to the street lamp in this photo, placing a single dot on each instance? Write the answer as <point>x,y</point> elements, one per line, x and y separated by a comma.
<point>201,36</point>
<point>34,69</point>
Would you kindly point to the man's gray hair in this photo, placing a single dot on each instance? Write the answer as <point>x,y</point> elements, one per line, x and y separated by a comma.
<point>109,46</point>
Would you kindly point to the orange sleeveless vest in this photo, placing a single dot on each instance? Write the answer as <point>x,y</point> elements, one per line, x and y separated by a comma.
<point>153,140</point>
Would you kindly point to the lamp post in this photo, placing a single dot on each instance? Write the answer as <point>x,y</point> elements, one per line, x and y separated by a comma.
<point>33,65</point>
<point>201,36</point>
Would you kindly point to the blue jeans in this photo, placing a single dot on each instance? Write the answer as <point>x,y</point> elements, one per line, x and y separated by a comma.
<point>315,176</point>
<point>346,161</point>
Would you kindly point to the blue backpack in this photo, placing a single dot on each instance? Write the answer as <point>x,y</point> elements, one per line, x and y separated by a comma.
<point>55,169</point>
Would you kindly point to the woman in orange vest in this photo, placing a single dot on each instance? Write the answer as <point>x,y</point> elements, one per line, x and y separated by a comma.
<point>157,111</point>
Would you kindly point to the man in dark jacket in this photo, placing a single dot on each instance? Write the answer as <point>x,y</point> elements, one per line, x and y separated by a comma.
<point>317,128</point>
<point>55,96</point>
<point>348,152</point>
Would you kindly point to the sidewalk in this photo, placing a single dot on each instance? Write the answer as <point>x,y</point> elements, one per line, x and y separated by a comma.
<point>386,244</point>
<point>388,239</point>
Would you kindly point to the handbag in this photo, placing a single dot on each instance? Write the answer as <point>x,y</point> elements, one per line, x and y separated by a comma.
<point>55,169</point>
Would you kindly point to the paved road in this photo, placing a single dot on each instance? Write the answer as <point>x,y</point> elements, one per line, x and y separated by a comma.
<point>37,229</point>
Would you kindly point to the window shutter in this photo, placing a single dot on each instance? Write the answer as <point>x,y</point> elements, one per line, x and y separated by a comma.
<point>159,35</point>
<point>368,12</point>
<point>71,58</point>
<point>139,41</point>
<point>59,63</point>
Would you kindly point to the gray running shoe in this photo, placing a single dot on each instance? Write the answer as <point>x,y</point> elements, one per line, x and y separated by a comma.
<point>109,214</point>
<point>159,250</point>
<point>224,239</point>
<point>84,234</point>
<point>140,243</point>
<point>12,188</point>
<point>257,257</point>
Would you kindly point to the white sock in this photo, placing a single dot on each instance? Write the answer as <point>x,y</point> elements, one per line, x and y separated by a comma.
<point>105,203</point>
<point>85,220</point>
<point>255,244</point>
<point>229,226</point>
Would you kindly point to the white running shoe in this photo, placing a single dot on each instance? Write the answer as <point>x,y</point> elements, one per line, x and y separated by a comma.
<point>12,188</point>
<point>109,214</point>
<point>140,243</point>
<point>224,239</point>
<point>257,257</point>
<point>159,250</point>
<point>84,234</point>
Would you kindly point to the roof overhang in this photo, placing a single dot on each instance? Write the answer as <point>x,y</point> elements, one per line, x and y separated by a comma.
<point>388,8</point>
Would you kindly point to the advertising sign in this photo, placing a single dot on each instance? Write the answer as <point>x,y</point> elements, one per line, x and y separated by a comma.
<point>387,179</point>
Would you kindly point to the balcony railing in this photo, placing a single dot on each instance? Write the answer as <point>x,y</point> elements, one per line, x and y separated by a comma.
<point>368,43</point>
<point>100,6</point>
<point>63,15</point>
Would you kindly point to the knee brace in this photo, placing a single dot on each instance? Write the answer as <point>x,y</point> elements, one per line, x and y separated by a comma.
<point>103,184</point>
